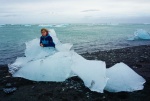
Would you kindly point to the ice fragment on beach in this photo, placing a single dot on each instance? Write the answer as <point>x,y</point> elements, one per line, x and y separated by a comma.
<point>8,85</point>
<point>48,64</point>
<point>34,51</point>
<point>9,90</point>
<point>52,68</point>
<point>140,34</point>
<point>93,74</point>
<point>123,78</point>
<point>13,68</point>
<point>59,46</point>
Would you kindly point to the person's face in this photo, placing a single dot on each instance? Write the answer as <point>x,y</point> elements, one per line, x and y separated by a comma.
<point>43,33</point>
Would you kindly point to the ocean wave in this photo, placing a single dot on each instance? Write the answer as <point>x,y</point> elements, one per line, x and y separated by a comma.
<point>45,25</point>
<point>61,25</point>
<point>54,25</point>
<point>103,24</point>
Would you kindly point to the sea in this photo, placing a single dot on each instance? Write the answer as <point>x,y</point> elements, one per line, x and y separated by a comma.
<point>84,37</point>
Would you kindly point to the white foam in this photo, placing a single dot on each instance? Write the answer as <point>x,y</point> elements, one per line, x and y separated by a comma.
<point>54,25</point>
<point>61,25</point>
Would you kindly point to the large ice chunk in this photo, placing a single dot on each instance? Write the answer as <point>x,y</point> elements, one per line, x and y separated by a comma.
<point>93,74</point>
<point>123,78</point>
<point>59,46</point>
<point>53,68</point>
<point>54,36</point>
<point>34,51</point>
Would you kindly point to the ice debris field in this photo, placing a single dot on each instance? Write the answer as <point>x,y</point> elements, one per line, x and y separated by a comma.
<point>49,64</point>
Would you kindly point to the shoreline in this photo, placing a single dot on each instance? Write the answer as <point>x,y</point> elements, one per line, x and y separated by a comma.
<point>73,89</point>
<point>91,54</point>
<point>137,58</point>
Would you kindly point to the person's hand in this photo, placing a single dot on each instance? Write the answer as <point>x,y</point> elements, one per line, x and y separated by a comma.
<point>41,45</point>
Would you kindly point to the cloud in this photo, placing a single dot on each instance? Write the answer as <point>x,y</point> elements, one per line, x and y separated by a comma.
<point>90,10</point>
<point>9,15</point>
<point>78,11</point>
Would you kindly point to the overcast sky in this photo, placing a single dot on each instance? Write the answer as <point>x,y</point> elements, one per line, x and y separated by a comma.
<point>74,11</point>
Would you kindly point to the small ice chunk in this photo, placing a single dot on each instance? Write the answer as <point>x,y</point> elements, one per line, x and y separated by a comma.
<point>140,34</point>
<point>9,90</point>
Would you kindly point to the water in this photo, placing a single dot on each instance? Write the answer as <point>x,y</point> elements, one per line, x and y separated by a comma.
<point>84,37</point>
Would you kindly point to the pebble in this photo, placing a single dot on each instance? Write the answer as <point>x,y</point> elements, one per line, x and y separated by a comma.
<point>9,90</point>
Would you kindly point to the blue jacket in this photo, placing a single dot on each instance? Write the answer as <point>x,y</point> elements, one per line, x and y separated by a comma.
<point>47,41</point>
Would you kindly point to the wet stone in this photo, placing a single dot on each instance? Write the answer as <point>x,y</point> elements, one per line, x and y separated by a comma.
<point>9,90</point>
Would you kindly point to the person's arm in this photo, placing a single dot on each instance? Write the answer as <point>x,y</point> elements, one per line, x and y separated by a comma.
<point>41,42</point>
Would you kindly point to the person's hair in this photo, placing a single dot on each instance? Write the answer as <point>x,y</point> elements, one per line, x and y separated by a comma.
<point>44,29</point>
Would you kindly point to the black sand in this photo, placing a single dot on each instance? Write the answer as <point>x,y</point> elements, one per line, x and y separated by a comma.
<point>73,89</point>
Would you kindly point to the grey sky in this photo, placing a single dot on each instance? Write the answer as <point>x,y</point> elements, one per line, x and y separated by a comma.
<point>74,11</point>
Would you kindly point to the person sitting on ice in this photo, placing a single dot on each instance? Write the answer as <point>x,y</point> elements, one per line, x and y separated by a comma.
<point>46,40</point>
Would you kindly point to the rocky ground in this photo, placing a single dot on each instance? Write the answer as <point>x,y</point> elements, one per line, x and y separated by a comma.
<point>73,89</point>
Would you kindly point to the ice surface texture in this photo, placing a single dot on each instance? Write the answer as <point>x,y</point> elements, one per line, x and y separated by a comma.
<point>49,64</point>
<point>123,78</point>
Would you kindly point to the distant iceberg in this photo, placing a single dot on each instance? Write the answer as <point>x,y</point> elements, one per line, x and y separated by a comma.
<point>140,34</point>
<point>45,25</point>
<point>49,64</point>
<point>27,25</point>
<point>1,25</point>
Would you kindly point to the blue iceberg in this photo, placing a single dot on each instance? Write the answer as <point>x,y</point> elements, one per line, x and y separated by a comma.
<point>140,34</point>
